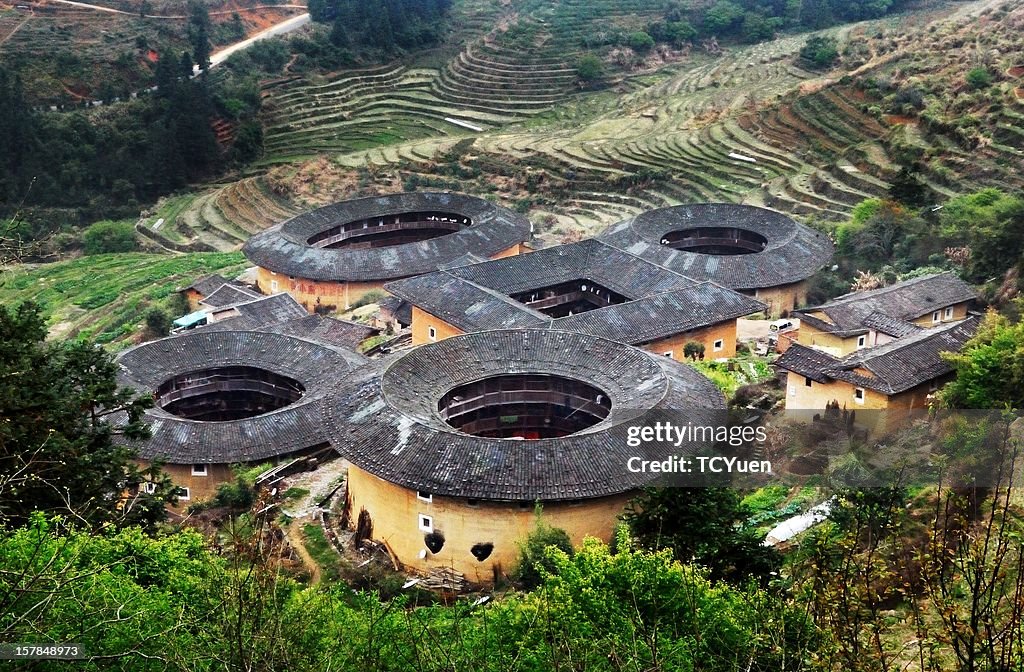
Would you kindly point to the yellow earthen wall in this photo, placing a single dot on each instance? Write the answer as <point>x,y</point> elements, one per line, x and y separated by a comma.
<point>395,512</point>
<point>421,323</point>
<point>783,298</point>
<point>726,331</point>
<point>330,293</point>
<point>200,487</point>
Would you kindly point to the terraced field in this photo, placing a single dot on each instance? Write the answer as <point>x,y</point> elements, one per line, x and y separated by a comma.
<point>502,116</point>
<point>105,297</point>
<point>218,219</point>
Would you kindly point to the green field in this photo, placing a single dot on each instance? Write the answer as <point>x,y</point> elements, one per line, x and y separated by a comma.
<point>105,297</point>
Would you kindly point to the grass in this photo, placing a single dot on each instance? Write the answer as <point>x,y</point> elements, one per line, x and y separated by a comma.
<point>322,552</point>
<point>104,297</point>
<point>292,494</point>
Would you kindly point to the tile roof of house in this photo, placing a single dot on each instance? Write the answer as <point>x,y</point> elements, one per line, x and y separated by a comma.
<point>207,284</point>
<point>285,249</point>
<point>660,302</point>
<point>894,367</point>
<point>386,420</point>
<point>228,294</point>
<point>292,428</point>
<point>793,252</point>
<point>282,314</point>
<point>889,309</point>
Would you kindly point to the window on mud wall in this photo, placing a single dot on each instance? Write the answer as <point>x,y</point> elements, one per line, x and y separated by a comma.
<point>426,523</point>
<point>432,334</point>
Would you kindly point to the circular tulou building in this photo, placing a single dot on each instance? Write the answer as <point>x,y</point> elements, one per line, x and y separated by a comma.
<point>230,397</point>
<point>333,255</point>
<point>752,250</point>
<point>452,444</point>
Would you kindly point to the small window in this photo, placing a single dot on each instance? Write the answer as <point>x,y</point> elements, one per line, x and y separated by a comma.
<point>432,334</point>
<point>184,495</point>
<point>273,285</point>
<point>523,506</point>
<point>273,272</point>
<point>667,354</point>
<point>199,470</point>
<point>862,341</point>
<point>949,312</point>
<point>474,503</point>
<point>424,496</point>
<point>936,316</point>
<point>149,487</point>
<point>858,395</point>
<point>807,382</point>
<point>291,277</point>
<point>426,523</point>
<point>719,345</point>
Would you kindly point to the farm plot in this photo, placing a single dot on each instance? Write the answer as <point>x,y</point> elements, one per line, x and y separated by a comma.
<point>105,297</point>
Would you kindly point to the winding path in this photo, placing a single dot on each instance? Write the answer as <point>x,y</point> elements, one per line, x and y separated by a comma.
<point>111,10</point>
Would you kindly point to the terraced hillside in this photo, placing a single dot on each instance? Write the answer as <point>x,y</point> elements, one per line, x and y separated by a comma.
<point>105,297</point>
<point>218,219</point>
<point>749,125</point>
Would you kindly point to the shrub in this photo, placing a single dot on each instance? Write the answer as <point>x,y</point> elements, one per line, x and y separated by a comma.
<point>820,52</point>
<point>640,42</point>
<point>693,350</point>
<point>109,236</point>
<point>158,322</point>
<point>534,562</point>
<point>979,78</point>
<point>589,68</point>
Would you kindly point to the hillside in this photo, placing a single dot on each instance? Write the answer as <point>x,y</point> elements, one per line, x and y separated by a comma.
<point>67,54</point>
<point>506,116</point>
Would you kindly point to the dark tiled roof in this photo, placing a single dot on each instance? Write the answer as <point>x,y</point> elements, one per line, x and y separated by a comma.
<point>397,308</point>
<point>283,248</point>
<point>286,430</point>
<point>327,330</point>
<point>896,366</point>
<point>282,314</point>
<point>660,302</point>
<point>389,425</point>
<point>892,326</point>
<point>887,307</point>
<point>662,315</point>
<point>793,252</point>
<point>207,284</point>
<point>228,294</point>
<point>464,304</point>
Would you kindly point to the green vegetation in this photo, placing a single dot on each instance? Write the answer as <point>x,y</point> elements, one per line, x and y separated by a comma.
<point>59,412</point>
<point>589,68</point>
<point>323,553</point>
<point>990,368</point>
<point>820,52</point>
<point>109,237</point>
<point>703,525</point>
<point>979,78</point>
<point>106,297</point>
<point>535,558</point>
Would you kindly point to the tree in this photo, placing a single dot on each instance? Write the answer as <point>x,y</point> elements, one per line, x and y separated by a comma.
<point>61,419</point>
<point>722,18</point>
<point>199,33</point>
<point>589,68</point>
<point>693,350</point>
<point>701,525</point>
<point>640,42</point>
<point>990,367</point>
<point>158,322</point>
<point>758,27</point>
<point>991,224</point>
<point>820,52</point>
<point>107,237</point>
